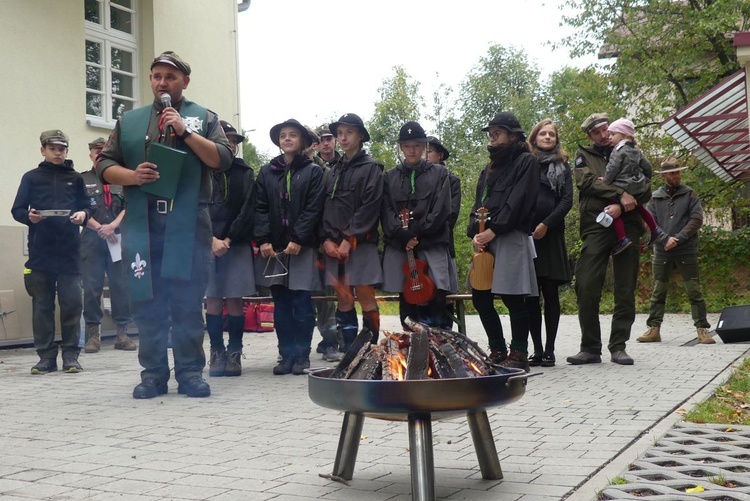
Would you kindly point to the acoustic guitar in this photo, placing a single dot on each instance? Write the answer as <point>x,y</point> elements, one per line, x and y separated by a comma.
<point>419,287</point>
<point>482,263</point>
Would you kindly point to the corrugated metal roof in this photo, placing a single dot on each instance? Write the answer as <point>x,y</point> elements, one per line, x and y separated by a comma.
<point>714,128</point>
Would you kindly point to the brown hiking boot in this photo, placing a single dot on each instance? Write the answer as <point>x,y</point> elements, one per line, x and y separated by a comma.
<point>122,341</point>
<point>94,344</point>
<point>516,360</point>
<point>704,337</point>
<point>651,335</point>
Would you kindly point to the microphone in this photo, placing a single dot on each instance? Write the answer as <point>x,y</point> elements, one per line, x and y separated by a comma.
<point>166,101</point>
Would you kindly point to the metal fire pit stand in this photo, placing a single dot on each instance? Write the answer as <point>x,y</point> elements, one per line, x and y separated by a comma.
<point>420,449</point>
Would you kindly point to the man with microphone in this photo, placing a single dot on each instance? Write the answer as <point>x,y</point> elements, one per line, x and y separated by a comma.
<point>167,241</point>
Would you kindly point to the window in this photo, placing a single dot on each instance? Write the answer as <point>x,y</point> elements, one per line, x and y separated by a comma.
<point>111,60</point>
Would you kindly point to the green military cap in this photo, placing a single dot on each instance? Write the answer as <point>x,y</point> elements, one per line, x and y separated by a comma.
<point>323,130</point>
<point>594,121</point>
<point>171,59</point>
<point>99,142</point>
<point>54,136</point>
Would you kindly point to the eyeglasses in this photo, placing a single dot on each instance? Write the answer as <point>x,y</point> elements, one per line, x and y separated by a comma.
<point>494,134</point>
<point>268,262</point>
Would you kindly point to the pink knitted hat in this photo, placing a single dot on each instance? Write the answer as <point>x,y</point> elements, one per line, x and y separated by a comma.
<point>623,126</point>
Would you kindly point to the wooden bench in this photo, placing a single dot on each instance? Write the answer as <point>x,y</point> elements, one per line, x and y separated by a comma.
<point>458,316</point>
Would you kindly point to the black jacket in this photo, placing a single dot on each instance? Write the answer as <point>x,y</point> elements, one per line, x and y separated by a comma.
<point>429,201</point>
<point>233,202</point>
<point>354,192</point>
<point>54,242</point>
<point>511,192</point>
<point>551,207</point>
<point>282,217</point>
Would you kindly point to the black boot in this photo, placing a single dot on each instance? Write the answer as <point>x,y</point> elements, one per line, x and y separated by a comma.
<point>234,347</point>
<point>286,363</point>
<point>301,362</point>
<point>348,325</point>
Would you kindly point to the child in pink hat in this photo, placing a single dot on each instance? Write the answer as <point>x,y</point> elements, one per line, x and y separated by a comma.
<point>629,169</point>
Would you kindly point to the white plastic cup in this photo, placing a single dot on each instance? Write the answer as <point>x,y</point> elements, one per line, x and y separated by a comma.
<point>604,219</point>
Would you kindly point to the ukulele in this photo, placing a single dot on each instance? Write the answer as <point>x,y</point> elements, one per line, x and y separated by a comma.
<point>482,263</point>
<point>418,288</point>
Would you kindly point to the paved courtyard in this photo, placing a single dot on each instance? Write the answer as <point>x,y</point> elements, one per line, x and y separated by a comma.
<point>260,437</point>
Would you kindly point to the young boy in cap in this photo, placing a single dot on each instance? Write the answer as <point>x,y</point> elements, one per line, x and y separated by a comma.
<point>52,202</point>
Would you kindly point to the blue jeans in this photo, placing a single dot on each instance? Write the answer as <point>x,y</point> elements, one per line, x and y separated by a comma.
<point>42,287</point>
<point>294,320</point>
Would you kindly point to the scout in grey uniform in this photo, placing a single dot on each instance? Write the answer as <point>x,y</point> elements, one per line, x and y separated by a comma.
<point>107,211</point>
<point>167,242</point>
<point>677,209</point>
<point>591,268</point>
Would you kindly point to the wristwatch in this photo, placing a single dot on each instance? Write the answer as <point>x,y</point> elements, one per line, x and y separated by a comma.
<point>186,134</point>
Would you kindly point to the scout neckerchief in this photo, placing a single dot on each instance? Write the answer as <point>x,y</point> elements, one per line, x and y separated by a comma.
<point>179,237</point>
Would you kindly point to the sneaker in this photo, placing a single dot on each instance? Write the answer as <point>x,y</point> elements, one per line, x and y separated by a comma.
<point>535,360</point>
<point>331,354</point>
<point>622,358</point>
<point>516,360</point>
<point>150,387</point>
<point>585,358</point>
<point>194,386</point>
<point>44,366</point>
<point>497,356</point>
<point>621,245</point>
<point>234,364</point>
<point>71,366</point>
<point>217,365</point>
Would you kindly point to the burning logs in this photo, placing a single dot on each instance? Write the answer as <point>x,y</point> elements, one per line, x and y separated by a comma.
<point>425,353</point>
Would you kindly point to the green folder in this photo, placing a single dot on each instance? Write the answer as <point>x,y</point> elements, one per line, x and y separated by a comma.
<point>169,165</point>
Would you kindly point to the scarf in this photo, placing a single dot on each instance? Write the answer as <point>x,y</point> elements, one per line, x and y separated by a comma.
<point>555,170</point>
<point>107,197</point>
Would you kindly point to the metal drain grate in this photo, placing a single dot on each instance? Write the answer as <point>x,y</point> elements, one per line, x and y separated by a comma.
<point>689,456</point>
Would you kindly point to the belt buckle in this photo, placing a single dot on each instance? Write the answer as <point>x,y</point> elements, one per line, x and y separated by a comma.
<point>161,206</point>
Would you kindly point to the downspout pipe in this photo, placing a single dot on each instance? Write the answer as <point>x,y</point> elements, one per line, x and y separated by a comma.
<point>243,5</point>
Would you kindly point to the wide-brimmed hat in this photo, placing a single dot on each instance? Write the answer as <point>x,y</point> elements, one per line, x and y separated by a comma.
<point>230,130</point>
<point>505,120</point>
<point>171,59</point>
<point>313,134</point>
<point>437,144</point>
<point>412,132</point>
<point>291,122</point>
<point>354,121</point>
<point>54,136</point>
<point>670,164</point>
<point>594,121</point>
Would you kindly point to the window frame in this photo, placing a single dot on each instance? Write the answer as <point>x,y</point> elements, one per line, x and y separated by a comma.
<point>109,39</point>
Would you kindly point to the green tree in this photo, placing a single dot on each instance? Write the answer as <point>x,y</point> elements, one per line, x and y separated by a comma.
<point>400,101</point>
<point>253,157</point>
<point>668,52</point>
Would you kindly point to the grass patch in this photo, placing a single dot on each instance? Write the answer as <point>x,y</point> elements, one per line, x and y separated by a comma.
<point>730,404</point>
<point>618,480</point>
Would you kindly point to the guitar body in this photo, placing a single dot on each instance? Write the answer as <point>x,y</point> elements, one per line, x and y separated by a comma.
<point>482,263</point>
<point>418,287</point>
<point>482,269</point>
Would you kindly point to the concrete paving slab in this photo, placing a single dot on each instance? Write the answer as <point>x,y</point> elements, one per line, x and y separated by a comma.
<point>259,437</point>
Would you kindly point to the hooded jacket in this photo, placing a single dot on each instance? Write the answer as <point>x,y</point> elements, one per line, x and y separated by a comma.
<point>54,242</point>
<point>289,202</point>
<point>509,190</point>
<point>354,192</point>
<point>428,198</point>
<point>233,202</point>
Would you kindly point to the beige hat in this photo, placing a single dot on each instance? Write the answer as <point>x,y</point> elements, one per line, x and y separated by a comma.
<point>670,164</point>
<point>54,136</point>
